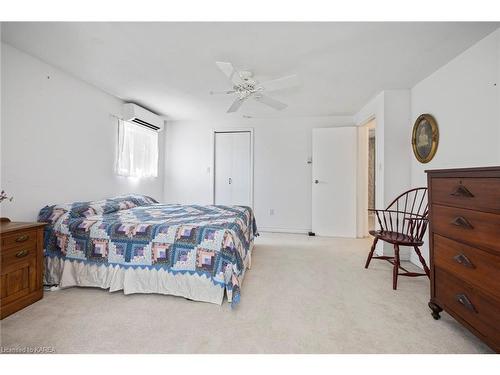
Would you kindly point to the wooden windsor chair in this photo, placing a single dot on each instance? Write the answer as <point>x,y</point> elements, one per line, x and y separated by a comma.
<point>402,223</point>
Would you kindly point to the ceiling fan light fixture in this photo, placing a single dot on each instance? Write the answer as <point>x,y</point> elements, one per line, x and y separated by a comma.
<point>245,87</point>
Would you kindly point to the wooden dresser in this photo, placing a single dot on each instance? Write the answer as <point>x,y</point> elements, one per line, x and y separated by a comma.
<point>21,265</point>
<point>464,237</point>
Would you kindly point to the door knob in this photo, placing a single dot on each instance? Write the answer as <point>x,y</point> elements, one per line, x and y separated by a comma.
<point>316,181</point>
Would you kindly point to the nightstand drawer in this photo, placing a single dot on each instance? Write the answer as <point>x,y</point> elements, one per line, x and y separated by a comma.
<point>473,227</point>
<point>475,266</point>
<point>24,238</point>
<point>17,255</point>
<point>481,194</point>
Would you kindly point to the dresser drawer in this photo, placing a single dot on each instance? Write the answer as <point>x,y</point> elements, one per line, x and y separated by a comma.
<point>25,238</point>
<point>481,194</point>
<point>474,227</point>
<point>474,266</point>
<point>18,254</point>
<point>480,312</point>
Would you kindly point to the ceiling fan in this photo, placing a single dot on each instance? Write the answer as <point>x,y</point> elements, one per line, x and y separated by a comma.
<point>244,87</point>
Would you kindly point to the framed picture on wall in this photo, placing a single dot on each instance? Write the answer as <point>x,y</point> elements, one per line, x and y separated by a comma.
<point>425,138</point>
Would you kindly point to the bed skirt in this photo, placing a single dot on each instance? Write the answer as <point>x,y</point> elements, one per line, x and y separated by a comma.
<point>72,272</point>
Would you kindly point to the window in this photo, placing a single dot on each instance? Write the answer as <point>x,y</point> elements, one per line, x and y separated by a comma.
<point>137,151</point>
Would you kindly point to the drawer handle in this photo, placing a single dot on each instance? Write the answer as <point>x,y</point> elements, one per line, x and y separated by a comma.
<point>461,221</point>
<point>22,238</point>
<point>463,260</point>
<point>22,253</point>
<point>464,301</point>
<point>462,191</point>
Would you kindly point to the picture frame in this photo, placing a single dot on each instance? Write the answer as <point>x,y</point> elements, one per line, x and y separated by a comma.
<point>425,138</point>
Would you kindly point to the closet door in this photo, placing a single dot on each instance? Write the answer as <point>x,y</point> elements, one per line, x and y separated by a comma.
<point>223,168</point>
<point>232,168</point>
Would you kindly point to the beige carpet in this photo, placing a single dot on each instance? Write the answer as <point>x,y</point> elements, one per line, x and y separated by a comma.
<point>302,295</point>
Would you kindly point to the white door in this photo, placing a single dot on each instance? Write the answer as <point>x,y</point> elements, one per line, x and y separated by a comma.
<point>334,173</point>
<point>233,168</point>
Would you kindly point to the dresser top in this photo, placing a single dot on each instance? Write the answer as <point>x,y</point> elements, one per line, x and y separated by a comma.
<point>487,171</point>
<point>12,226</point>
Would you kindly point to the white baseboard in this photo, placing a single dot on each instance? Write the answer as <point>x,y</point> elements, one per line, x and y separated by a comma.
<point>283,230</point>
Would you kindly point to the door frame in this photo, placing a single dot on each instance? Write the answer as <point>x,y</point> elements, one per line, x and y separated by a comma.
<point>375,116</point>
<point>362,179</point>
<point>212,159</point>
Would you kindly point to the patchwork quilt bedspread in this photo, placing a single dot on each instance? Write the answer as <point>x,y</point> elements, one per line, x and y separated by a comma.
<point>138,245</point>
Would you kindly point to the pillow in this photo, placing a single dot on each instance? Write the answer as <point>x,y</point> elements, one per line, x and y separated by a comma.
<point>50,214</point>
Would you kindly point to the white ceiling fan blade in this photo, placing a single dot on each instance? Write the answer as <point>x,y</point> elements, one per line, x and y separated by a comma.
<point>222,92</point>
<point>226,68</point>
<point>273,103</point>
<point>236,105</point>
<point>281,83</point>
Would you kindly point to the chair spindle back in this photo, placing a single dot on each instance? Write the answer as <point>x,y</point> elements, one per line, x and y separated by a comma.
<point>407,214</point>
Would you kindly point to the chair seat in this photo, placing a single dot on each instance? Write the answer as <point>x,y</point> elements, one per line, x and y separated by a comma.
<point>396,238</point>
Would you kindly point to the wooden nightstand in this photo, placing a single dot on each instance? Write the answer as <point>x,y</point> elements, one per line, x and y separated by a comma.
<point>21,267</point>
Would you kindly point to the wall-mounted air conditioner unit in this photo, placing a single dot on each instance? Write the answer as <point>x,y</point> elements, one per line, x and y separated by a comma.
<point>141,116</point>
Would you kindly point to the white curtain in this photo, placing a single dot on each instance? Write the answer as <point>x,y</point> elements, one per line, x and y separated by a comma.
<point>137,150</point>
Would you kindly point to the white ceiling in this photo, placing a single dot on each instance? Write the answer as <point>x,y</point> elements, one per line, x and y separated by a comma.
<point>169,67</point>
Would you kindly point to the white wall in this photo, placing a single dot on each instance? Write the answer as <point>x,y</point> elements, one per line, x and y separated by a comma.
<point>396,142</point>
<point>282,177</point>
<point>464,98</point>
<point>391,110</point>
<point>58,139</point>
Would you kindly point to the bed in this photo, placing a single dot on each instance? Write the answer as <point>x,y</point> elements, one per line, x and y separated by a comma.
<point>135,244</point>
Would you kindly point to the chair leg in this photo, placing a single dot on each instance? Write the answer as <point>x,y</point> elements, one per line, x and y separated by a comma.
<point>395,270</point>
<point>422,260</point>
<point>370,255</point>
